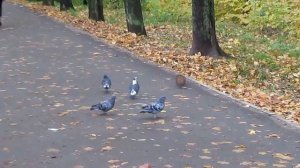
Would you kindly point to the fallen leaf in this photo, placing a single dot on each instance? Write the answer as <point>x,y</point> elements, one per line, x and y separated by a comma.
<point>53,150</point>
<point>206,151</point>
<point>106,148</point>
<point>251,132</point>
<point>64,113</point>
<point>88,148</point>
<point>146,165</point>
<point>113,161</point>
<point>220,143</point>
<point>78,166</point>
<point>283,156</point>
<point>278,165</point>
<point>239,148</point>
<point>273,136</point>
<point>223,162</point>
<point>205,157</point>
<point>216,128</point>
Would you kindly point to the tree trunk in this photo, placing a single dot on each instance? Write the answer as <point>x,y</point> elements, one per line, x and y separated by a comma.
<point>204,33</point>
<point>84,2</point>
<point>48,2</point>
<point>66,5</point>
<point>134,17</point>
<point>96,10</point>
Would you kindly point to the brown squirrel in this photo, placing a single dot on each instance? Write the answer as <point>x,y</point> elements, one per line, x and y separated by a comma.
<point>180,80</point>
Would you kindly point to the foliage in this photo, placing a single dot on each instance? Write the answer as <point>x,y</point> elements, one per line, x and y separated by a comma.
<point>113,4</point>
<point>234,10</point>
<point>167,10</point>
<point>272,17</point>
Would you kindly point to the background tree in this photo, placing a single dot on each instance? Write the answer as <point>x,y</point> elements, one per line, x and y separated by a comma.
<point>134,17</point>
<point>66,5</point>
<point>48,2</point>
<point>84,2</point>
<point>204,31</point>
<point>96,10</point>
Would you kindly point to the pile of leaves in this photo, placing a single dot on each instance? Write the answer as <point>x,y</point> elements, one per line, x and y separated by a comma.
<point>252,80</point>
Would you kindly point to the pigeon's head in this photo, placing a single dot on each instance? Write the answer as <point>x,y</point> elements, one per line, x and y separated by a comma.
<point>105,77</point>
<point>134,81</point>
<point>162,99</point>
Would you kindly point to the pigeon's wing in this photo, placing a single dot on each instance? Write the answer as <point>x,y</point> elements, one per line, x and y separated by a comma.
<point>109,81</point>
<point>146,107</point>
<point>105,106</point>
<point>133,90</point>
<point>103,81</point>
<point>136,87</point>
<point>130,88</point>
<point>158,107</point>
<point>106,81</point>
<point>94,107</point>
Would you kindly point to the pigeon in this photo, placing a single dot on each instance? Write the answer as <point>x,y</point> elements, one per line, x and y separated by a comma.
<point>154,108</point>
<point>105,105</point>
<point>106,82</point>
<point>134,88</point>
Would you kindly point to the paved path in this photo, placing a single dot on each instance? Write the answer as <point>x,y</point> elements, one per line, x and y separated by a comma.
<point>49,76</point>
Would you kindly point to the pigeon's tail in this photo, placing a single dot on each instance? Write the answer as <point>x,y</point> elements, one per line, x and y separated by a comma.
<point>133,92</point>
<point>146,107</point>
<point>106,86</point>
<point>145,111</point>
<point>94,107</point>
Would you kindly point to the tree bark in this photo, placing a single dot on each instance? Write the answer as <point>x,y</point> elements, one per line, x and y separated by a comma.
<point>84,2</point>
<point>96,10</point>
<point>134,17</point>
<point>66,5</point>
<point>204,31</point>
<point>48,2</point>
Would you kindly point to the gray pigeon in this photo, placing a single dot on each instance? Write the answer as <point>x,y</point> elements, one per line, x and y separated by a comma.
<point>154,108</point>
<point>105,105</point>
<point>106,82</point>
<point>134,88</point>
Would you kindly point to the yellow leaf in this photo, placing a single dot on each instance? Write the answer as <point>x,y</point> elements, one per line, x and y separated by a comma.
<point>283,156</point>
<point>251,132</point>
<point>88,148</point>
<point>106,148</point>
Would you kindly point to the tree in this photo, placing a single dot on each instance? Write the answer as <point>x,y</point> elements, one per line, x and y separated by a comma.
<point>66,5</point>
<point>204,33</point>
<point>84,2</point>
<point>134,17</point>
<point>96,10</point>
<point>48,2</point>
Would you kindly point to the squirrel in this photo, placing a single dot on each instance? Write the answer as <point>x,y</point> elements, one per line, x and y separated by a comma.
<point>180,80</point>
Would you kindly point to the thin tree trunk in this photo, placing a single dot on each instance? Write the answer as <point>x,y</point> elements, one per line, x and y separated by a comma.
<point>66,5</point>
<point>48,2</point>
<point>204,33</point>
<point>134,17</point>
<point>96,10</point>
